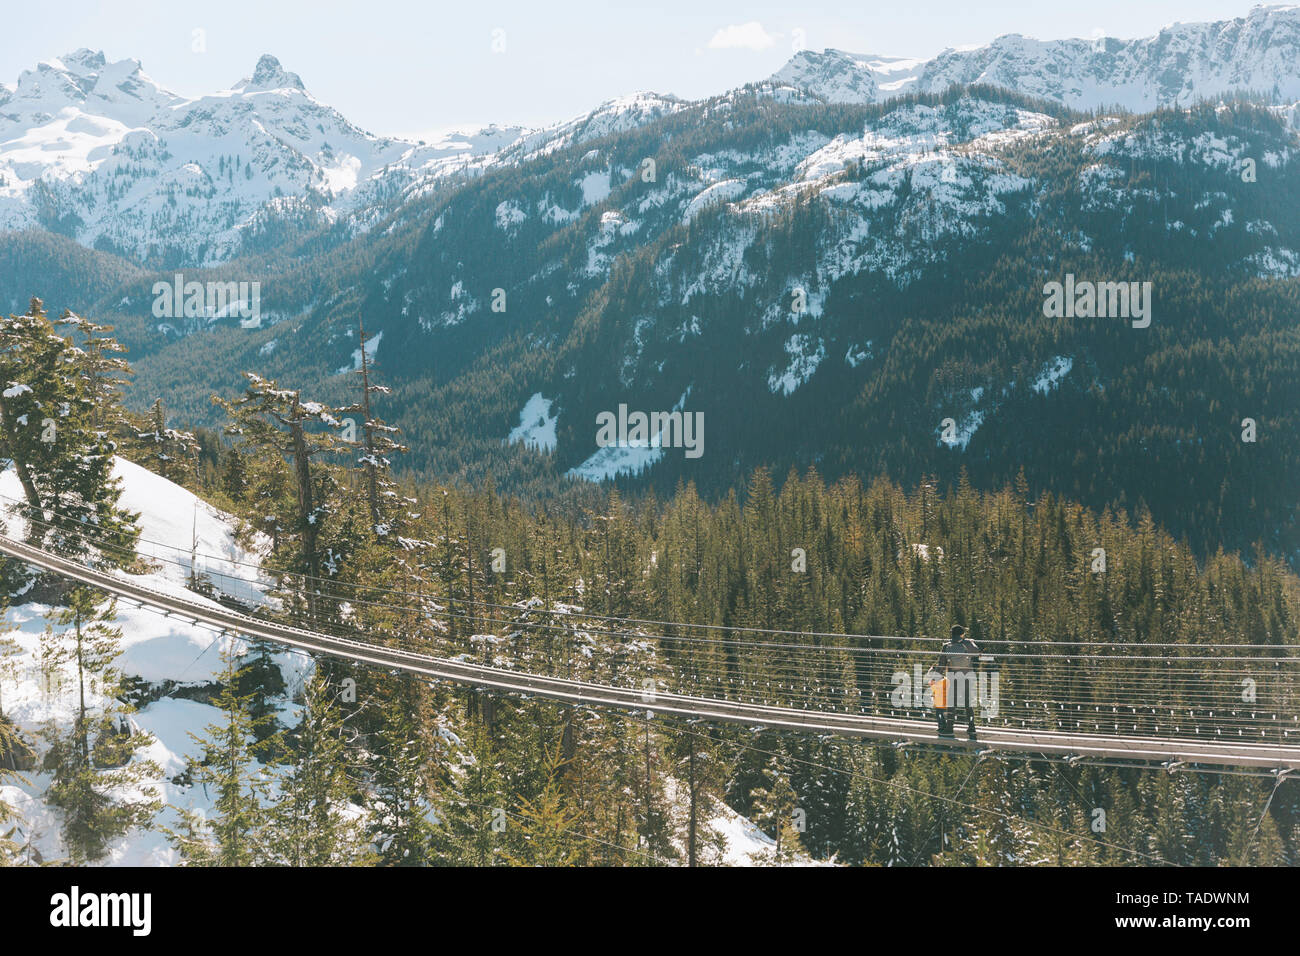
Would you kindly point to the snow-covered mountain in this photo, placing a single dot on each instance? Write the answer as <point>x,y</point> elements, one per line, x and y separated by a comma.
<point>1184,62</point>
<point>99,151</point>
<point>96,150</point>
<point>758,268</point>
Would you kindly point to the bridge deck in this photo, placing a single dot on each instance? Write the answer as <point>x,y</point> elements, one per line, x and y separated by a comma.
<point>1153,750</point>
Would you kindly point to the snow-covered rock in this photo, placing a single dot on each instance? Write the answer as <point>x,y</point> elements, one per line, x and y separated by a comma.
<point>1184,62</point>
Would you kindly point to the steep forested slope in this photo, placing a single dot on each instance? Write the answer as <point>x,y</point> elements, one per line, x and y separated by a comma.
<point>826,284</point>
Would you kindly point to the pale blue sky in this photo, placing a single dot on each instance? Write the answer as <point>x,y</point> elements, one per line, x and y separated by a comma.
<point>409,67</point>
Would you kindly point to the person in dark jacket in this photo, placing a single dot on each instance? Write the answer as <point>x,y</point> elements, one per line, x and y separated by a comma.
<point>958,660</point>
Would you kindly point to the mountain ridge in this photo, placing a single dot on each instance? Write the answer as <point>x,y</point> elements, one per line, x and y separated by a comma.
<point>1179,65</point>
<point>97,150</point>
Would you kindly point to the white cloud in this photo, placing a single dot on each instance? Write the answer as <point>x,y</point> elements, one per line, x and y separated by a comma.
<point>742,36</point>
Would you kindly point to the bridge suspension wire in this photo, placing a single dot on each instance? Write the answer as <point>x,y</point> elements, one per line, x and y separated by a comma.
<point>1178,753</point>
<point>801,656</point>
<point>796,650</point>
<point>382,589</point>
<point>807,651</point>
<point>1250,845</point>
<point>790,670</point>
<point>829,701</point>
<point>799,663</point>
<point>789,665</point>
<point>715,674</point>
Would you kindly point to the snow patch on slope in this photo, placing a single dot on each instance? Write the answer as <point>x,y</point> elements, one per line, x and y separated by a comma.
<point>1051,374</point>
<point>536,428</point>
<point>805,353</point>
<point>614,460</point>
<point>371,347</point>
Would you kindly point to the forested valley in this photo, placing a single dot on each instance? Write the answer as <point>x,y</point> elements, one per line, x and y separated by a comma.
<point>757,587</point>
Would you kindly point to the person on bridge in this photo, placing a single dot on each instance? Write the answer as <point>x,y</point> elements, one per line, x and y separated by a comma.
<point>958,660</point>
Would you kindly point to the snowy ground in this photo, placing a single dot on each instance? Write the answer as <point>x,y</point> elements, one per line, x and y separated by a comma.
<point>156,649</point>
<point>725,837</point>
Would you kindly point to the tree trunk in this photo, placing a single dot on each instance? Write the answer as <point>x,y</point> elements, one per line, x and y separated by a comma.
<point>372,479</point>
<point>35,535</point>
<point>81,685</point>
<point>306,509</point>
<point>568,740</point>
<point>691,825</point>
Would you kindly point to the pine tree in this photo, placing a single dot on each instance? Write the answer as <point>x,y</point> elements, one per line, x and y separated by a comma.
<point>774,807</point>
<point>1253,838</point>
<point>697,767</point>
<point>312,823</point>
<point>31,354</point>
<point>10,824</point>
<point>95,356</point>
<point>475,802</point>
<point>49,407</point>
<point>238,832</point>
<point>378,445</point>
<point>14,752</point>
<point>10,650</point>
<point>101,786</point>
<point>277,420</point>
<point>863,816</point>
<point>543,830</point>
<point>401,823</point>
<point>234,479</point>
<point>168,451</point>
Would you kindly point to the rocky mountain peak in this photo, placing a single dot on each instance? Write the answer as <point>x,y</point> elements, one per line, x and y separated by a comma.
<point>269,75</point>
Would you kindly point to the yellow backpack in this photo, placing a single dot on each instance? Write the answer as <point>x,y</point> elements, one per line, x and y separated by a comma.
<point>939,691</point>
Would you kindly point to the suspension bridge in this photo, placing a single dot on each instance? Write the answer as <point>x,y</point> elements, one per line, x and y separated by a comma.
<point>818,687</point>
